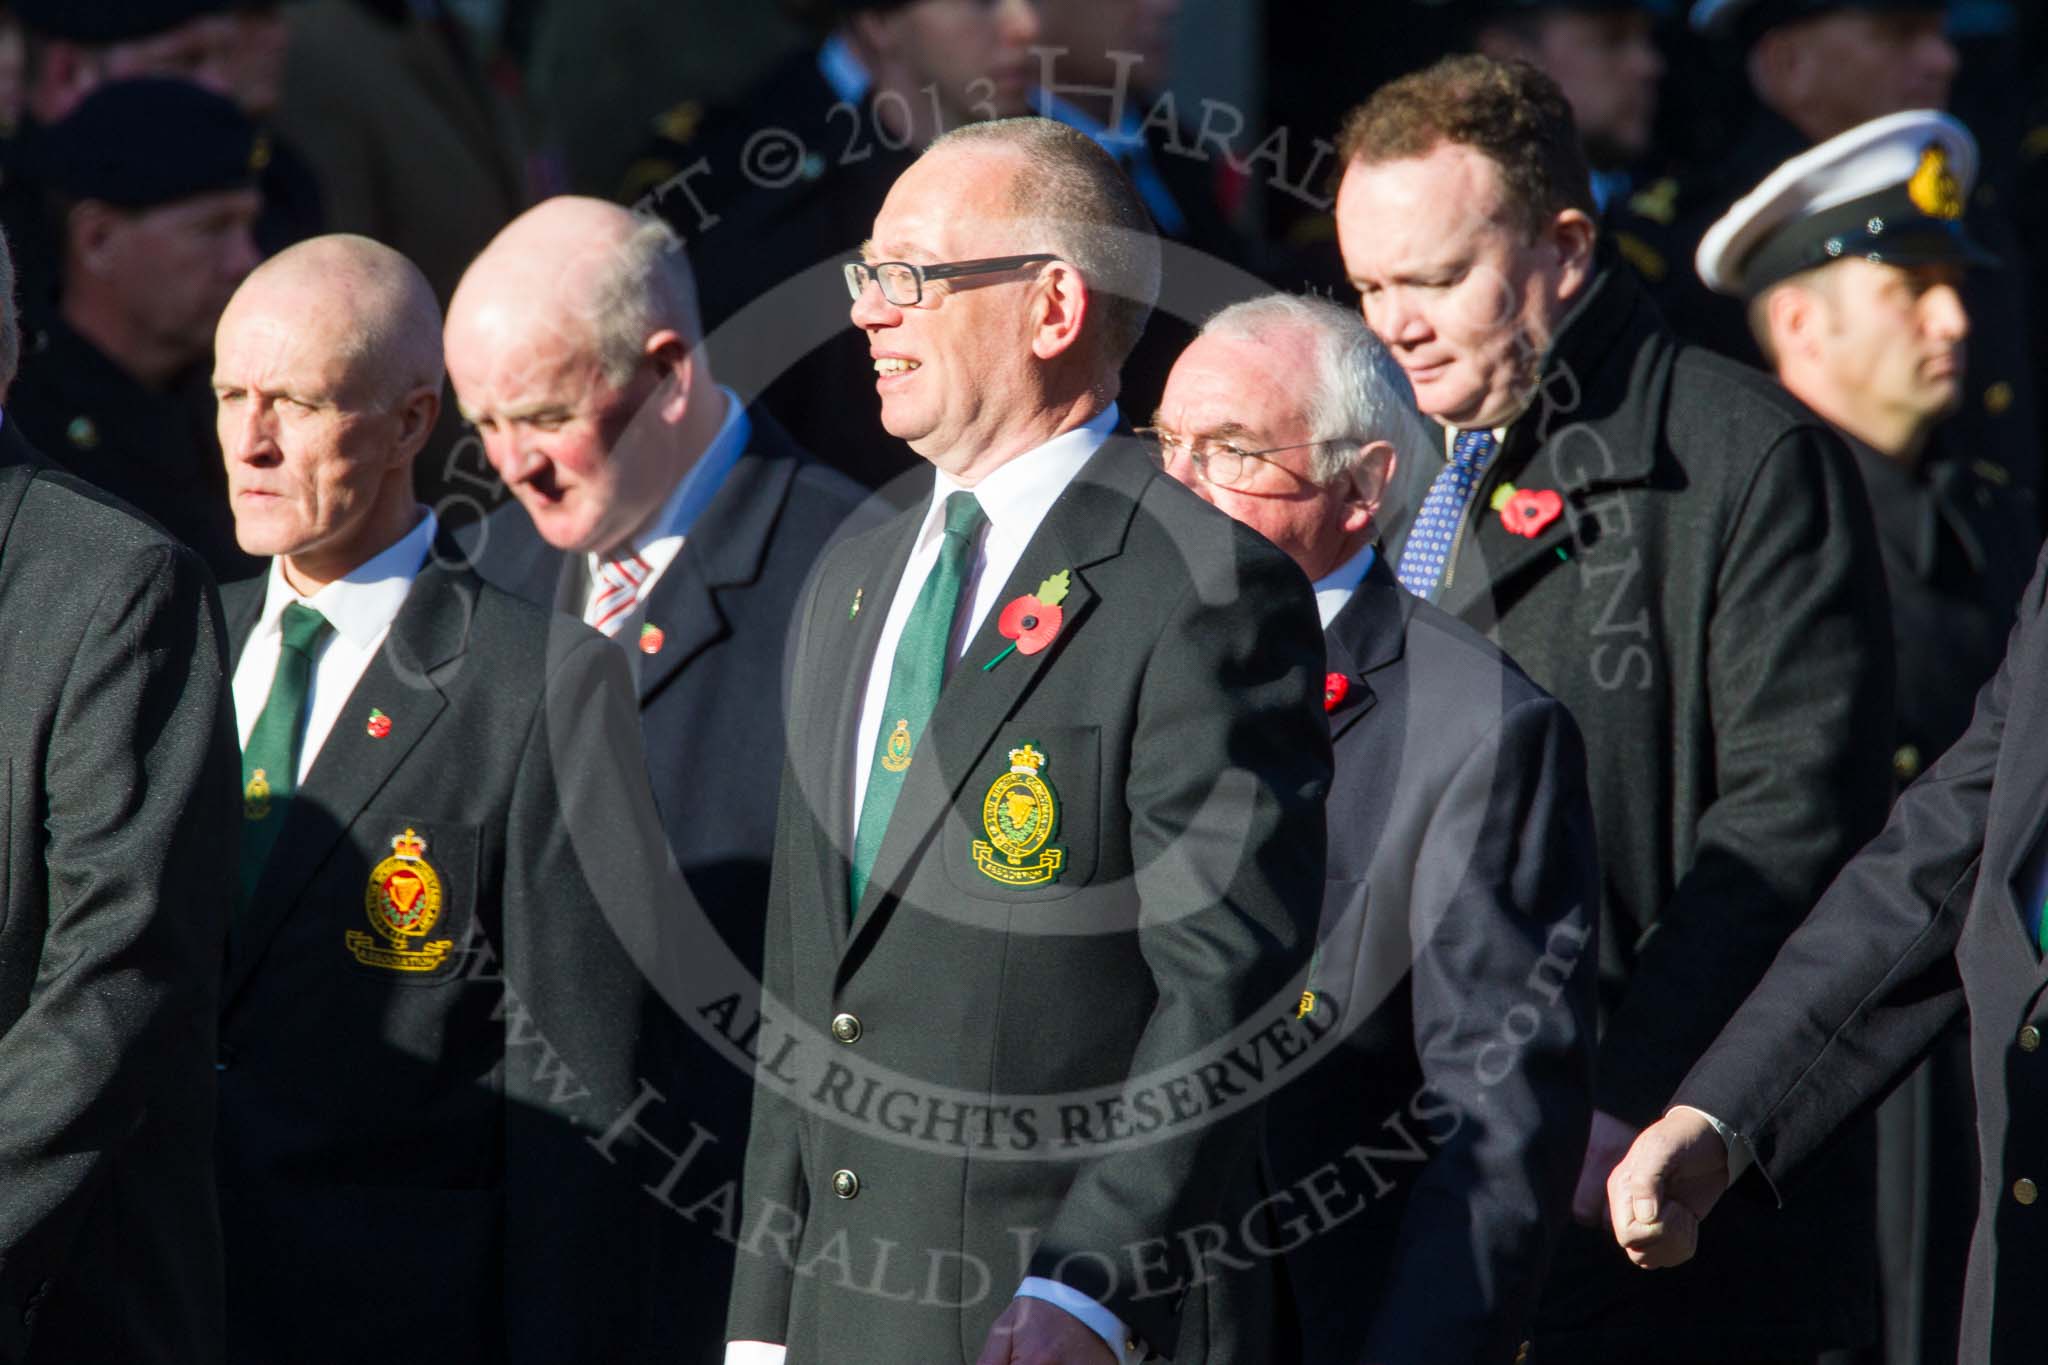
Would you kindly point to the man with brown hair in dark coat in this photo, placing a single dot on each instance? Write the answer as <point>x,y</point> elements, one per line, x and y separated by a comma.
<point>1685,557</point>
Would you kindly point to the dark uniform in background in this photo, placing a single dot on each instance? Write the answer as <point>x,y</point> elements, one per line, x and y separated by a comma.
<point>138,146</point>
<point>103,33</point>
<point>1659,228</point>
<point>792,177</point>
<point>1958,541</point>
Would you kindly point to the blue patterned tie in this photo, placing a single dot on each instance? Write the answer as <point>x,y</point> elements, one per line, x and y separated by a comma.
<point>1428,547</point>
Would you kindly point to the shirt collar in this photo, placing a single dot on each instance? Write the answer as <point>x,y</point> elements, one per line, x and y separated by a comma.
<point>1020,492</point>
<point>1335,588</point>
<point>695,490</point>
<point>842,70</point>
<point>1500,434</point>
<point>362,603</point>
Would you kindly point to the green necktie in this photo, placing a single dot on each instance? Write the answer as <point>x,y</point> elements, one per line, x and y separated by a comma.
<point>914,680</point>
<point>270,763</point>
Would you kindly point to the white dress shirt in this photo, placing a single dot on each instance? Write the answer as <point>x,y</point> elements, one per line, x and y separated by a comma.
<point>1015,498</point>
<point>662,540</point>
<point>1334,589</point>
<point>361,606</point>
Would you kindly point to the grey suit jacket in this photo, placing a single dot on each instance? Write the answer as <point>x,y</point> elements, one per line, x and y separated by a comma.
<point>1036,1044</point>
<point>1453,1000</point>
<point>117,780</point>
<point>711,718</point>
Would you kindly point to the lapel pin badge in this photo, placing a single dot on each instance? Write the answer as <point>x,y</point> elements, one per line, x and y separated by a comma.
<point>1336,687</point>
<point>379,724</point>
<point>856,605</point>
<point>652,638</point>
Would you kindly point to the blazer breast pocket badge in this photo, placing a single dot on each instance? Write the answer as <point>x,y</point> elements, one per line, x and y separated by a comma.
<point>403,901</point>
<point>1020,815</point>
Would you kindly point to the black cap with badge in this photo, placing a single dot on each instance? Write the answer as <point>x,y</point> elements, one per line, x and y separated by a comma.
<point>149,141</point>
<point>1891,190</point>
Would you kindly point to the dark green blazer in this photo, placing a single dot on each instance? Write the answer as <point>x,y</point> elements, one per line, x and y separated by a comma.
<point>1036,1045</point>
<point>405,1174</point>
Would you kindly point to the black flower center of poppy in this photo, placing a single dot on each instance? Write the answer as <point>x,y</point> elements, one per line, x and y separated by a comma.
<point>1031,623</point>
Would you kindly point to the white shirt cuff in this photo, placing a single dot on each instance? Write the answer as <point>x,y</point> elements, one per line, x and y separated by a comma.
<point>754,1353</point>
<point>1740,1158</point>
<point>1093,1315</point>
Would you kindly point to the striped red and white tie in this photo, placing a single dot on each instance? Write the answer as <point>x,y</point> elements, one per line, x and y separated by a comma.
<point>619,582</point>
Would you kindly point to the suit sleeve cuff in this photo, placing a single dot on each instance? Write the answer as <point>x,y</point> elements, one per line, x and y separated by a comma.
<point>1093,1315</point>
<point>754,1353</point>
<point>1740,1158</point>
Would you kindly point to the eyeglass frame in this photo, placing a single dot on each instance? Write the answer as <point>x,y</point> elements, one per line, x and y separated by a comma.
<point>1156,447</point>
<point>858,273</point>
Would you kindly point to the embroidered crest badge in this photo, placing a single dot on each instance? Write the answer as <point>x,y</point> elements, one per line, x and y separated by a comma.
<point>896,751</point>
<point>403,901</point>
<point>1019,815</point>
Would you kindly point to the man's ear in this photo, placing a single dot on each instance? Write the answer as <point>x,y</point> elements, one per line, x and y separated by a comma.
<point>417,413</point>
<point>1793,316</point>
<point>90,231</point>
<point>1572,235</point>
<point>1060,308</point>
<point>1368,480</point>
<point>674,361</point>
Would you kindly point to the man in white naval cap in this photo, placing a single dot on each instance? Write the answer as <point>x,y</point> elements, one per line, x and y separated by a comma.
<point>1850,259</point>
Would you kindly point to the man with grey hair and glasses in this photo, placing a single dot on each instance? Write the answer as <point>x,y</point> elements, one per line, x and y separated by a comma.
<point>1449,1004</point>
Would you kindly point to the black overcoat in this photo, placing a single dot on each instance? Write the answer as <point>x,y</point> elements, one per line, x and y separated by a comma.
<point>1922,926</point>
<point>1709,601</point>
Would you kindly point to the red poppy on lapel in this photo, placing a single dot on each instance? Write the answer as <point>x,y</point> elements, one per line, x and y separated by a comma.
<point>1030,622</point>
<point>379,724</point>
<point>1529,510</point>
<point>652,639</point>
<point>1336,687</point>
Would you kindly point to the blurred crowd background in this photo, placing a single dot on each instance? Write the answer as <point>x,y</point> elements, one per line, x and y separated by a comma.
<point>767,132</point>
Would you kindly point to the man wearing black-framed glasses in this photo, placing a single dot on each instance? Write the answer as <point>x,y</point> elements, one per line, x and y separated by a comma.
<point>1025,846</point>
<point>902,282</point>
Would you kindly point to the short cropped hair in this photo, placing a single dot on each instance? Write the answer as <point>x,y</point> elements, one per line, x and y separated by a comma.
<point>1819,280</point>
<point>644,287</point>
<point>1358,393</point>
<point>1510,111</point>
<point>1084,210</point>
